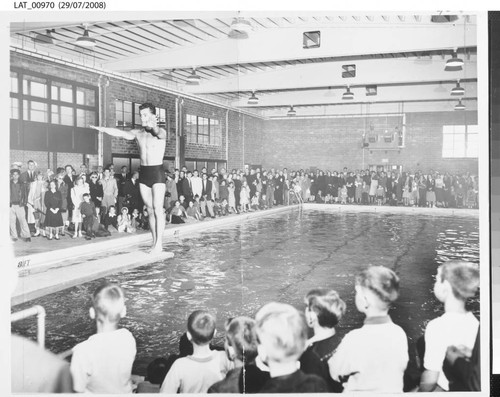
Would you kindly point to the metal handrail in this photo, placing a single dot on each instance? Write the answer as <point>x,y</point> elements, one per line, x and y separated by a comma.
<point>37,311</point>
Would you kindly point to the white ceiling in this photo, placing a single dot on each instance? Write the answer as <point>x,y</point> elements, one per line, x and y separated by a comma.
<point>404,55</point>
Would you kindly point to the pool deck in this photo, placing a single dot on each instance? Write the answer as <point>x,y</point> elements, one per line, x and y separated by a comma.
<point>49,266</point>
<point>46,267</point>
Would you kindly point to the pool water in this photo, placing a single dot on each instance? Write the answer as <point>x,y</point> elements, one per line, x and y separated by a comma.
<point>234,270</point>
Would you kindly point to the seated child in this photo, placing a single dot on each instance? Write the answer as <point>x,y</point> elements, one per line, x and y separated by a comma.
<point>374,357</point>
<point>98,229</point>
<point>262,202</point>
<point>455,282</point>
<point>282,336</point>
<point>103,363</point>
<point>191,213</point>
<point>183,201</point>
<point>134,220</point>
<point>124,223</point>
<point>197,372</point>
<point>178,213</point>
<point>241,349</point>
<point>217,208</point>
<point>88,212</point>
<point>203,205</point>
<point>143,219</point>
<point>110,218</point>
<point>210,208</point>
<point>197,206</point>
<point>324,309</point>
<point>224,207</point>
<point>392,200</point>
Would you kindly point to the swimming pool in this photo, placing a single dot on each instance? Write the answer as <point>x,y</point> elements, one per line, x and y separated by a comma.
<point>235,269</point>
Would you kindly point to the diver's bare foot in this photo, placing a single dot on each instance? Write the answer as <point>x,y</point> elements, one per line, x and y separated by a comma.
<point>156,249</point>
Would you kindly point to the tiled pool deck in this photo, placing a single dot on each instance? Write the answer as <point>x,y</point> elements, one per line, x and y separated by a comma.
<point>50,266</point>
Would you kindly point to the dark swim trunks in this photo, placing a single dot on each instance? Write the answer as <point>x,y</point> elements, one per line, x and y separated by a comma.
<point>151,174</point>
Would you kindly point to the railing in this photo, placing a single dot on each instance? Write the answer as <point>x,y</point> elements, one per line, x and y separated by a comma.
<point>37,311</point>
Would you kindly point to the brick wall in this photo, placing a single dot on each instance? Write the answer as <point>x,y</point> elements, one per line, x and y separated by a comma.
<point>236,141</point>
<point>254,139</point>
<point>41,158</point>
<point>334,143</point>
<point>129,91</point>
<point>208,152</point>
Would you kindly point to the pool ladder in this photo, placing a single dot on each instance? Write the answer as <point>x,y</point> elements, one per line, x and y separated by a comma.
<point>37,311</point>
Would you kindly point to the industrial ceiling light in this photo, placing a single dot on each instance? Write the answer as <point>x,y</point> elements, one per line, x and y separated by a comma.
<point>291,111</point>
<point>253,100</point>
<point>85,40</point>
<point>239,29</point>
<point>458,90</point>
<point>454,61</point>
<point>45,38</point>
<point>348,94</point>
<point>193,78</point>
<point>459,105</point>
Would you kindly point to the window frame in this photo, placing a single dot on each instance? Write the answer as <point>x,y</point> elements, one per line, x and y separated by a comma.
<point>209,133</point>
<point>461,142</point>
<point>48,100</point>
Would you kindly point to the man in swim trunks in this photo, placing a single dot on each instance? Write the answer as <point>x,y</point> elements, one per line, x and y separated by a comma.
<point>151,140</point>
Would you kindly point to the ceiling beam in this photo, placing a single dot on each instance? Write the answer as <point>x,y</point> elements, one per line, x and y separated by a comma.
<point>363,110</point>
<point>384,94</point>
<point>287,44</point>
<point>368,71</point>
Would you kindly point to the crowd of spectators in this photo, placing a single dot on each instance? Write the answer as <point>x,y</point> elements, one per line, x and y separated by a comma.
<point>271,353</point>
<point>51,204</point>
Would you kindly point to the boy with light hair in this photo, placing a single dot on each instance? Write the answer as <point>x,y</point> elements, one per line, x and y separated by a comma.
<point>456,281</point>
<point>282,336</point>
<point>103,363</point>
<point>373,358</point>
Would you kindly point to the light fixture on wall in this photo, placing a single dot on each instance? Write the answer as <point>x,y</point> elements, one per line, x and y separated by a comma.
<point>193,78</point>
<point>239,29</point>
<point>348,94</point>
<point>459,105</point>
<point>45,38</point>
<point>458,90</point>
<point>253,100</point>
<point>291,111</point>
<point>85,40</point>
<point>454,62</point>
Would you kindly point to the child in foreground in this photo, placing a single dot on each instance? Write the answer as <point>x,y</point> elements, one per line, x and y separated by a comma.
<point>241,349</point>
<point>374,357</point>
<point>103,363</point>
<point>197,372</point>
<point>455,282</point>
<point>282,335</point>
<point>324,309</point>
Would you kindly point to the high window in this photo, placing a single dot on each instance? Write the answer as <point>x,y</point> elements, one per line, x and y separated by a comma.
<point>49,100</point>
<point>460,141</point>
<point>203,130</point>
